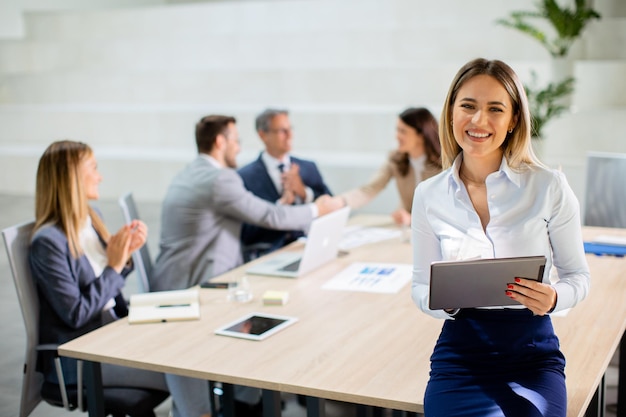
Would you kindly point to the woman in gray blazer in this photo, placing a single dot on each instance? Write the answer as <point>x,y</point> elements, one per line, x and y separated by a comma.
<point>78,266</point>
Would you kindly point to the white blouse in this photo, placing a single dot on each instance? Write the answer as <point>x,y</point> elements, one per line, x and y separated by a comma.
<point>95,252</point>
<point>418,165</point>
<point>533,212</point>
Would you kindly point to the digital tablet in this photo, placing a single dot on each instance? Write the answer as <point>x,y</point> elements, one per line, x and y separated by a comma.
<point>479,282</point>
<point>256,326</point>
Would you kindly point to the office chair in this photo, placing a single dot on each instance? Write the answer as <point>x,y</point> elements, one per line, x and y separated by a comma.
<point>137,402</point>
<point>604,190</point>
<point>141,258</point>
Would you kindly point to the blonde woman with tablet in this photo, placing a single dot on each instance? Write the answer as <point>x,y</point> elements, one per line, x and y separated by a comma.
<point>494,199</point>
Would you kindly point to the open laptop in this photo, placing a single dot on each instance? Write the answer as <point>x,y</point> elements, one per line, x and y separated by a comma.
<point>322,245</point>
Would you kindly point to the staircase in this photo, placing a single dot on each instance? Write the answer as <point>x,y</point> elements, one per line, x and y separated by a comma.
<point>132,82</point>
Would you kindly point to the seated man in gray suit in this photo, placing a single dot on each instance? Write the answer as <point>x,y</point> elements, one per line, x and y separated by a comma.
<point>202,213</point>
<point>275,175</point>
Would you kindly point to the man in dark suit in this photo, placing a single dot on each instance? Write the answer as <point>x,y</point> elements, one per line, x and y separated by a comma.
<point>276,175</point>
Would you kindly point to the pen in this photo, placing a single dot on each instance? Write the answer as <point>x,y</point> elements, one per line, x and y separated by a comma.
<point>174,305</point>
<point>222,285</point>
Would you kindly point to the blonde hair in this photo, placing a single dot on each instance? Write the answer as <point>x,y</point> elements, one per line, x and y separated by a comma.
<point>60,196</point>
<point>517,146</point>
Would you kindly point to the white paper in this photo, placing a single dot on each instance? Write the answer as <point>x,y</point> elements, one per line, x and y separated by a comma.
<point>610,240</point>
<point>355,236</point>
<point>386,278</point>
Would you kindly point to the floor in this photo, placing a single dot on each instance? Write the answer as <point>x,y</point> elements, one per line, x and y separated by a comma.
<point>16,209</point>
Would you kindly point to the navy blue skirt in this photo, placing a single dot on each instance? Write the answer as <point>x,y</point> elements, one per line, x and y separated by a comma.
<point>492,363</point>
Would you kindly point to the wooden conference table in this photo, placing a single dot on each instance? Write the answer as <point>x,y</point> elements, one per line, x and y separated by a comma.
<point>363,348</point>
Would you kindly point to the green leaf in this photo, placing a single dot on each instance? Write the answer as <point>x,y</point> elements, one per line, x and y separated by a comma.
<point>567,23</point>
<point>547,103</point>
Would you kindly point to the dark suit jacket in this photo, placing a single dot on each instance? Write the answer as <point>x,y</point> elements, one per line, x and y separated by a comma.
<point>258,182</point>
<point>71,296</point>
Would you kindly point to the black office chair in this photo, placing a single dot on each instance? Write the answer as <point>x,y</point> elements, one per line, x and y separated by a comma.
<point>135,402</point>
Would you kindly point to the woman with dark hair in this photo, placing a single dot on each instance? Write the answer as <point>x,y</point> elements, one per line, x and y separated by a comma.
<point>416,159</point>
<point>495,199</point>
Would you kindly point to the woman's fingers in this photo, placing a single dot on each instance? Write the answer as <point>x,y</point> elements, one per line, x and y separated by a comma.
<point>538,297</point>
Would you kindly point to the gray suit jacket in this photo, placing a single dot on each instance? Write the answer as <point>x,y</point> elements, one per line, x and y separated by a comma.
<point>203,211</point>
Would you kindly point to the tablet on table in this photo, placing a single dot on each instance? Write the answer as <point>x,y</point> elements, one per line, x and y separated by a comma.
<point>256,326</point>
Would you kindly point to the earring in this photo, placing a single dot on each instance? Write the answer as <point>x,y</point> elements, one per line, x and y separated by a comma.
<point>511,130</point>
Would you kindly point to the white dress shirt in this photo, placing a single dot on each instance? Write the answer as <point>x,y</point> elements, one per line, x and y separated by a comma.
<point>271,165</point>
<point>532,212</point>
<point>95,252</point>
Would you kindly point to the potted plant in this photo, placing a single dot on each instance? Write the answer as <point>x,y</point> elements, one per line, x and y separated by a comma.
<point>567,24</point>
<point>548,102</point>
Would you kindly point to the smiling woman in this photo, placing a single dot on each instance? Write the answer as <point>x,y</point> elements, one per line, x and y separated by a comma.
<point>482,118</point>
<point>496,200</point>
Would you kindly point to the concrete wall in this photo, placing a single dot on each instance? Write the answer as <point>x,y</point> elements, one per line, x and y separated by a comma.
<point>132,81</point>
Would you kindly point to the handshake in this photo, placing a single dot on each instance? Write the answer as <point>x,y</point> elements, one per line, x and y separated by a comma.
<point>327,204</point>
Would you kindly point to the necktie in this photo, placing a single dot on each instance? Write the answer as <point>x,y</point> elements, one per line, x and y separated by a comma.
<point>281,169</point>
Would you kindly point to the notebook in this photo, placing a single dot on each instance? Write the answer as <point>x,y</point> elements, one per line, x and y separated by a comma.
<point>164,306</point>
<point>321,247</point>
<point>479,282</point>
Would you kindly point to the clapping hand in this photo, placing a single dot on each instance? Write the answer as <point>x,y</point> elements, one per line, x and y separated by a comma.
<point>122,244</point>
<point>118,249</point>
<point>139,234</point>
<point>292,181</point>
<point>287,198</point>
